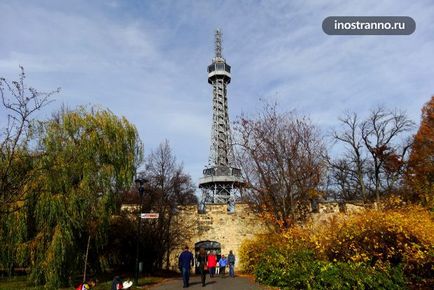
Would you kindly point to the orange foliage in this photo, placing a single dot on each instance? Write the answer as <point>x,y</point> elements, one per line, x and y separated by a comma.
<point>420,175</point>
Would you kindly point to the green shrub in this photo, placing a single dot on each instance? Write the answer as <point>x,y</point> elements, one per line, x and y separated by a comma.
<point>251,251</point>
<point>295,269</point>
<point>301,270</point>
<point>357,276</point>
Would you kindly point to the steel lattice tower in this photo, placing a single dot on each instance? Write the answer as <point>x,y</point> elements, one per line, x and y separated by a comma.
<point>221,181</point>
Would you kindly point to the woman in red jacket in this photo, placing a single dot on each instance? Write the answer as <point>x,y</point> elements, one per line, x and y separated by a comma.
<point>212,261</point>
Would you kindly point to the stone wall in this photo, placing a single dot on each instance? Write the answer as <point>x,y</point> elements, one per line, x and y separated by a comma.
<point>229,229</point>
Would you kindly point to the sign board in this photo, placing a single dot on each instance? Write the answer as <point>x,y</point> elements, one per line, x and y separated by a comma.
<point>149,215</point>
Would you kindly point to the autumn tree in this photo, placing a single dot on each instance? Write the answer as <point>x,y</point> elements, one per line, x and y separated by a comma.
<point>420,174</point>
<point>283,158</point>
<point>88,158</point>
<point>376,152</point>
<point>168,187</point>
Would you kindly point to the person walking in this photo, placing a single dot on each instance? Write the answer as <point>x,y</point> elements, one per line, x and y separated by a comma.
<point>202,265</point>
<point>185,262</point>
<point>231,262</point>
<point>223,263</point>
<point>212,261</point>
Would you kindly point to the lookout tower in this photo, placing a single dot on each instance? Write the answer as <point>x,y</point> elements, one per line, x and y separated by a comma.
<point>221,181</point>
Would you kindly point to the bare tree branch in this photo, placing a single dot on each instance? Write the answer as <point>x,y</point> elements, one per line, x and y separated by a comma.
<point>16,158</point>
<point>283,159</point>
<point>376,153</point>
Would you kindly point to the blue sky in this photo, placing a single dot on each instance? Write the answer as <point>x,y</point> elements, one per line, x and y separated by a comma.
<point>146,60</point>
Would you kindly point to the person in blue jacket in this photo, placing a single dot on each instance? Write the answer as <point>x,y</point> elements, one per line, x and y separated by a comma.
<point>223,263</point>
<point>185,262</point>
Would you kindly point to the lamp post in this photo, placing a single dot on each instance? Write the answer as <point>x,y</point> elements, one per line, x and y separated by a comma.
<point>140,187</point>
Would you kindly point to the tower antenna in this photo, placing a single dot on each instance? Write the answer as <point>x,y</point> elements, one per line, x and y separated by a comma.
<point>218,43</point>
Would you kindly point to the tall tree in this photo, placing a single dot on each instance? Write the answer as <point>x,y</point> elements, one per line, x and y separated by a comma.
<point>89,157</point>
<point>168,187</point>
<point>379,133</point>
<point>420,174</point>
<point>377,150</point>
<point>283,159</point>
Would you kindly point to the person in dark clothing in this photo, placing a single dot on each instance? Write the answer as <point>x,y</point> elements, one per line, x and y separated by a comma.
<point>185,262</point>
<point>231,261</point>
<point>202,264</point>
<point>117,283</point>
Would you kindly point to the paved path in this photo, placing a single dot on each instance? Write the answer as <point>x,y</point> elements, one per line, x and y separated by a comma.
<point>216,283</point>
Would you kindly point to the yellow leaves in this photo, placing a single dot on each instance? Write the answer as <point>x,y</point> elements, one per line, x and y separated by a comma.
<point>380,238</point>
<point>355,258</point>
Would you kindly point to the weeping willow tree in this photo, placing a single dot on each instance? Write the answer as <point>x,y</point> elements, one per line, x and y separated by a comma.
<point>88,157</point>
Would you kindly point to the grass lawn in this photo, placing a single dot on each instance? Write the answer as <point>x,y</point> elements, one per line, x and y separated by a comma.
<point>20,283</point>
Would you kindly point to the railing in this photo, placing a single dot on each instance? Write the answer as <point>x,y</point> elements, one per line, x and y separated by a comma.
<point>222,171</point>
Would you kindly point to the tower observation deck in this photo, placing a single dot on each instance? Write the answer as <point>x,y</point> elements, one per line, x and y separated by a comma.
<point>221,181</point>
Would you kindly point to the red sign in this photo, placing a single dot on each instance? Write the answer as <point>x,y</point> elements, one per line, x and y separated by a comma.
<point>150,215</point>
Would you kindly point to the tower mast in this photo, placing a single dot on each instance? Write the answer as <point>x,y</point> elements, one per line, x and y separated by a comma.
<point>221,179</point>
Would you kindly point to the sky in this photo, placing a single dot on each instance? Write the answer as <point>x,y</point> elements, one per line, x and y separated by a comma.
<point>147,60</point>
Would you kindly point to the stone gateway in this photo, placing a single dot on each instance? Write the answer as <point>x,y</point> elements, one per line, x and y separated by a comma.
<point>217,229</point>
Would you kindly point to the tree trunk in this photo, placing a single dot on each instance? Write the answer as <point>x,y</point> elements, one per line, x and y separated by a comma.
<point>85,259</point>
